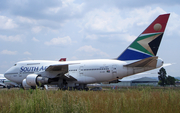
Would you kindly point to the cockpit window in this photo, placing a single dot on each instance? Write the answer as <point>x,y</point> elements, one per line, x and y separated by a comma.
<point>15,64</point>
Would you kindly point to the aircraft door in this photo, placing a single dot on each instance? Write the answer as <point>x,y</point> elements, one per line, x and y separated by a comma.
<point>81,70</point>
<point>114,70</point>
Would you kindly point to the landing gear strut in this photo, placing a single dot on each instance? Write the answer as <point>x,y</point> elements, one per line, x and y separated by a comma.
<point>63,85</point>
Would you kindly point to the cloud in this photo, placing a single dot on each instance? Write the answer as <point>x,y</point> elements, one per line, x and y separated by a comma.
<point>127,37</point>
<point>91,37</point>
<point>90,52</point>
<point>117,24</point>
<point>59,41</point>
<point>7,52</point>
<point>104,21</point>
<point>68,8</point>
<point>174,25</point>
<point>7,23</point>
<point>35,39</point>
<point>54,10</point>
<point>113,20</point>
<point>36,29</point>
<point>128,4</point>
<point>27,53</point>
<point>17,38</point>
<point>26,20</point>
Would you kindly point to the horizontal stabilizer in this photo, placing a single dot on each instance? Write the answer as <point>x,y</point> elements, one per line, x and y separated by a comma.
<point>148,62</point>
<point>167,64</point>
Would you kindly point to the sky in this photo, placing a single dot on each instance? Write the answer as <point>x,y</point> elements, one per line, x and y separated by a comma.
<point>83,29</point>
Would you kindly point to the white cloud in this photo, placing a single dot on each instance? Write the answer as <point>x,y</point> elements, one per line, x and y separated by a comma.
<point>26,20</point>
<point>68,8</point>
<point>127,37</point>
<point>91,37</point>
<point>90,51</point>
<point>35,39</point>
<point>106,21</point>
<point>122,36</point>
<point>144,16</point>
<point>116,20</point>
<point>27,53</point>
<point>114,23</point>
<point>7,23</point>
<point>53,10</point>
<point>174,26</point>
<point>7,52</point>
<point>17,38</point>
<point>59,41</point>
<point>36,29</point>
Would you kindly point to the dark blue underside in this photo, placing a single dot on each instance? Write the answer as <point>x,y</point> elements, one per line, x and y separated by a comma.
<point>132,55</point>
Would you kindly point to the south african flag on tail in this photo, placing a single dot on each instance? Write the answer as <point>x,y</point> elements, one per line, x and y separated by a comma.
<point>147,43</point>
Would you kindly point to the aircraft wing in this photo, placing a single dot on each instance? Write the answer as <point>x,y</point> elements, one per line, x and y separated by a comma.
<point>58,67</point>
<point>2,84</point>
<point>63,69</point>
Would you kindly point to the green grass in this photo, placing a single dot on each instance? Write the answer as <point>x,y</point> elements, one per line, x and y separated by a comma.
<point>136,100</point>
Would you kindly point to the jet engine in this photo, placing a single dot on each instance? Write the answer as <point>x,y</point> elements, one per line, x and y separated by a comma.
<point>25,85</point>
<point>33,79</point>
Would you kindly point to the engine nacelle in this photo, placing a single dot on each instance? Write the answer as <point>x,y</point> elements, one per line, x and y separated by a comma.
<point>33,80</point>
<point>25,85</point>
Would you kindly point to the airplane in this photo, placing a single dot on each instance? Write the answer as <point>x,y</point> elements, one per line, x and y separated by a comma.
<point>140,56</point>
<point>6,83</point>
<point>2,79</point>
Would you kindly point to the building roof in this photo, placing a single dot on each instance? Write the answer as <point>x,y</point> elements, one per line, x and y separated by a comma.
<point>144,79</point>
<point>140,79</point>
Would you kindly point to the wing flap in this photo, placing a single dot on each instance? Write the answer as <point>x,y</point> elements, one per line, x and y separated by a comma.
<point>69,77</point>
<point>63,70</point>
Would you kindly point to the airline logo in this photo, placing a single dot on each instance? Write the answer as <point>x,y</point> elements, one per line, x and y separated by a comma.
<point>147,44</point>
<point>32,69</point>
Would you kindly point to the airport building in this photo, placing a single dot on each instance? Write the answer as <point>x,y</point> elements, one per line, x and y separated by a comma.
<point>136,82</point>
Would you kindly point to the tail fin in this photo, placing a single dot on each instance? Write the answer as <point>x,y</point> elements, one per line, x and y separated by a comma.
<point>62,59</point>
<point>147,43</point>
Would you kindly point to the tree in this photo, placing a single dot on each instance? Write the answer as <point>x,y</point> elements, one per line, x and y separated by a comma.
<point>162,77</point>
<point>170,80</point>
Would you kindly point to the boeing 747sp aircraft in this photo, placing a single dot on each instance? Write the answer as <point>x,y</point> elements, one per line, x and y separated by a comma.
<point>77,74</point>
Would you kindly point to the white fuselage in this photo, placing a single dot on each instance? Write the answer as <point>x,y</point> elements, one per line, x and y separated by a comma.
<point>85,71</point>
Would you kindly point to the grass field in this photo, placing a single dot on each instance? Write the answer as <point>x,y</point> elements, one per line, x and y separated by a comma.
<point>135,100</point>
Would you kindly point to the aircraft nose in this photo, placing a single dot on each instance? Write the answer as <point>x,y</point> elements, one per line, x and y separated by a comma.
<point>10,72</point>
<point>6,75</point>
